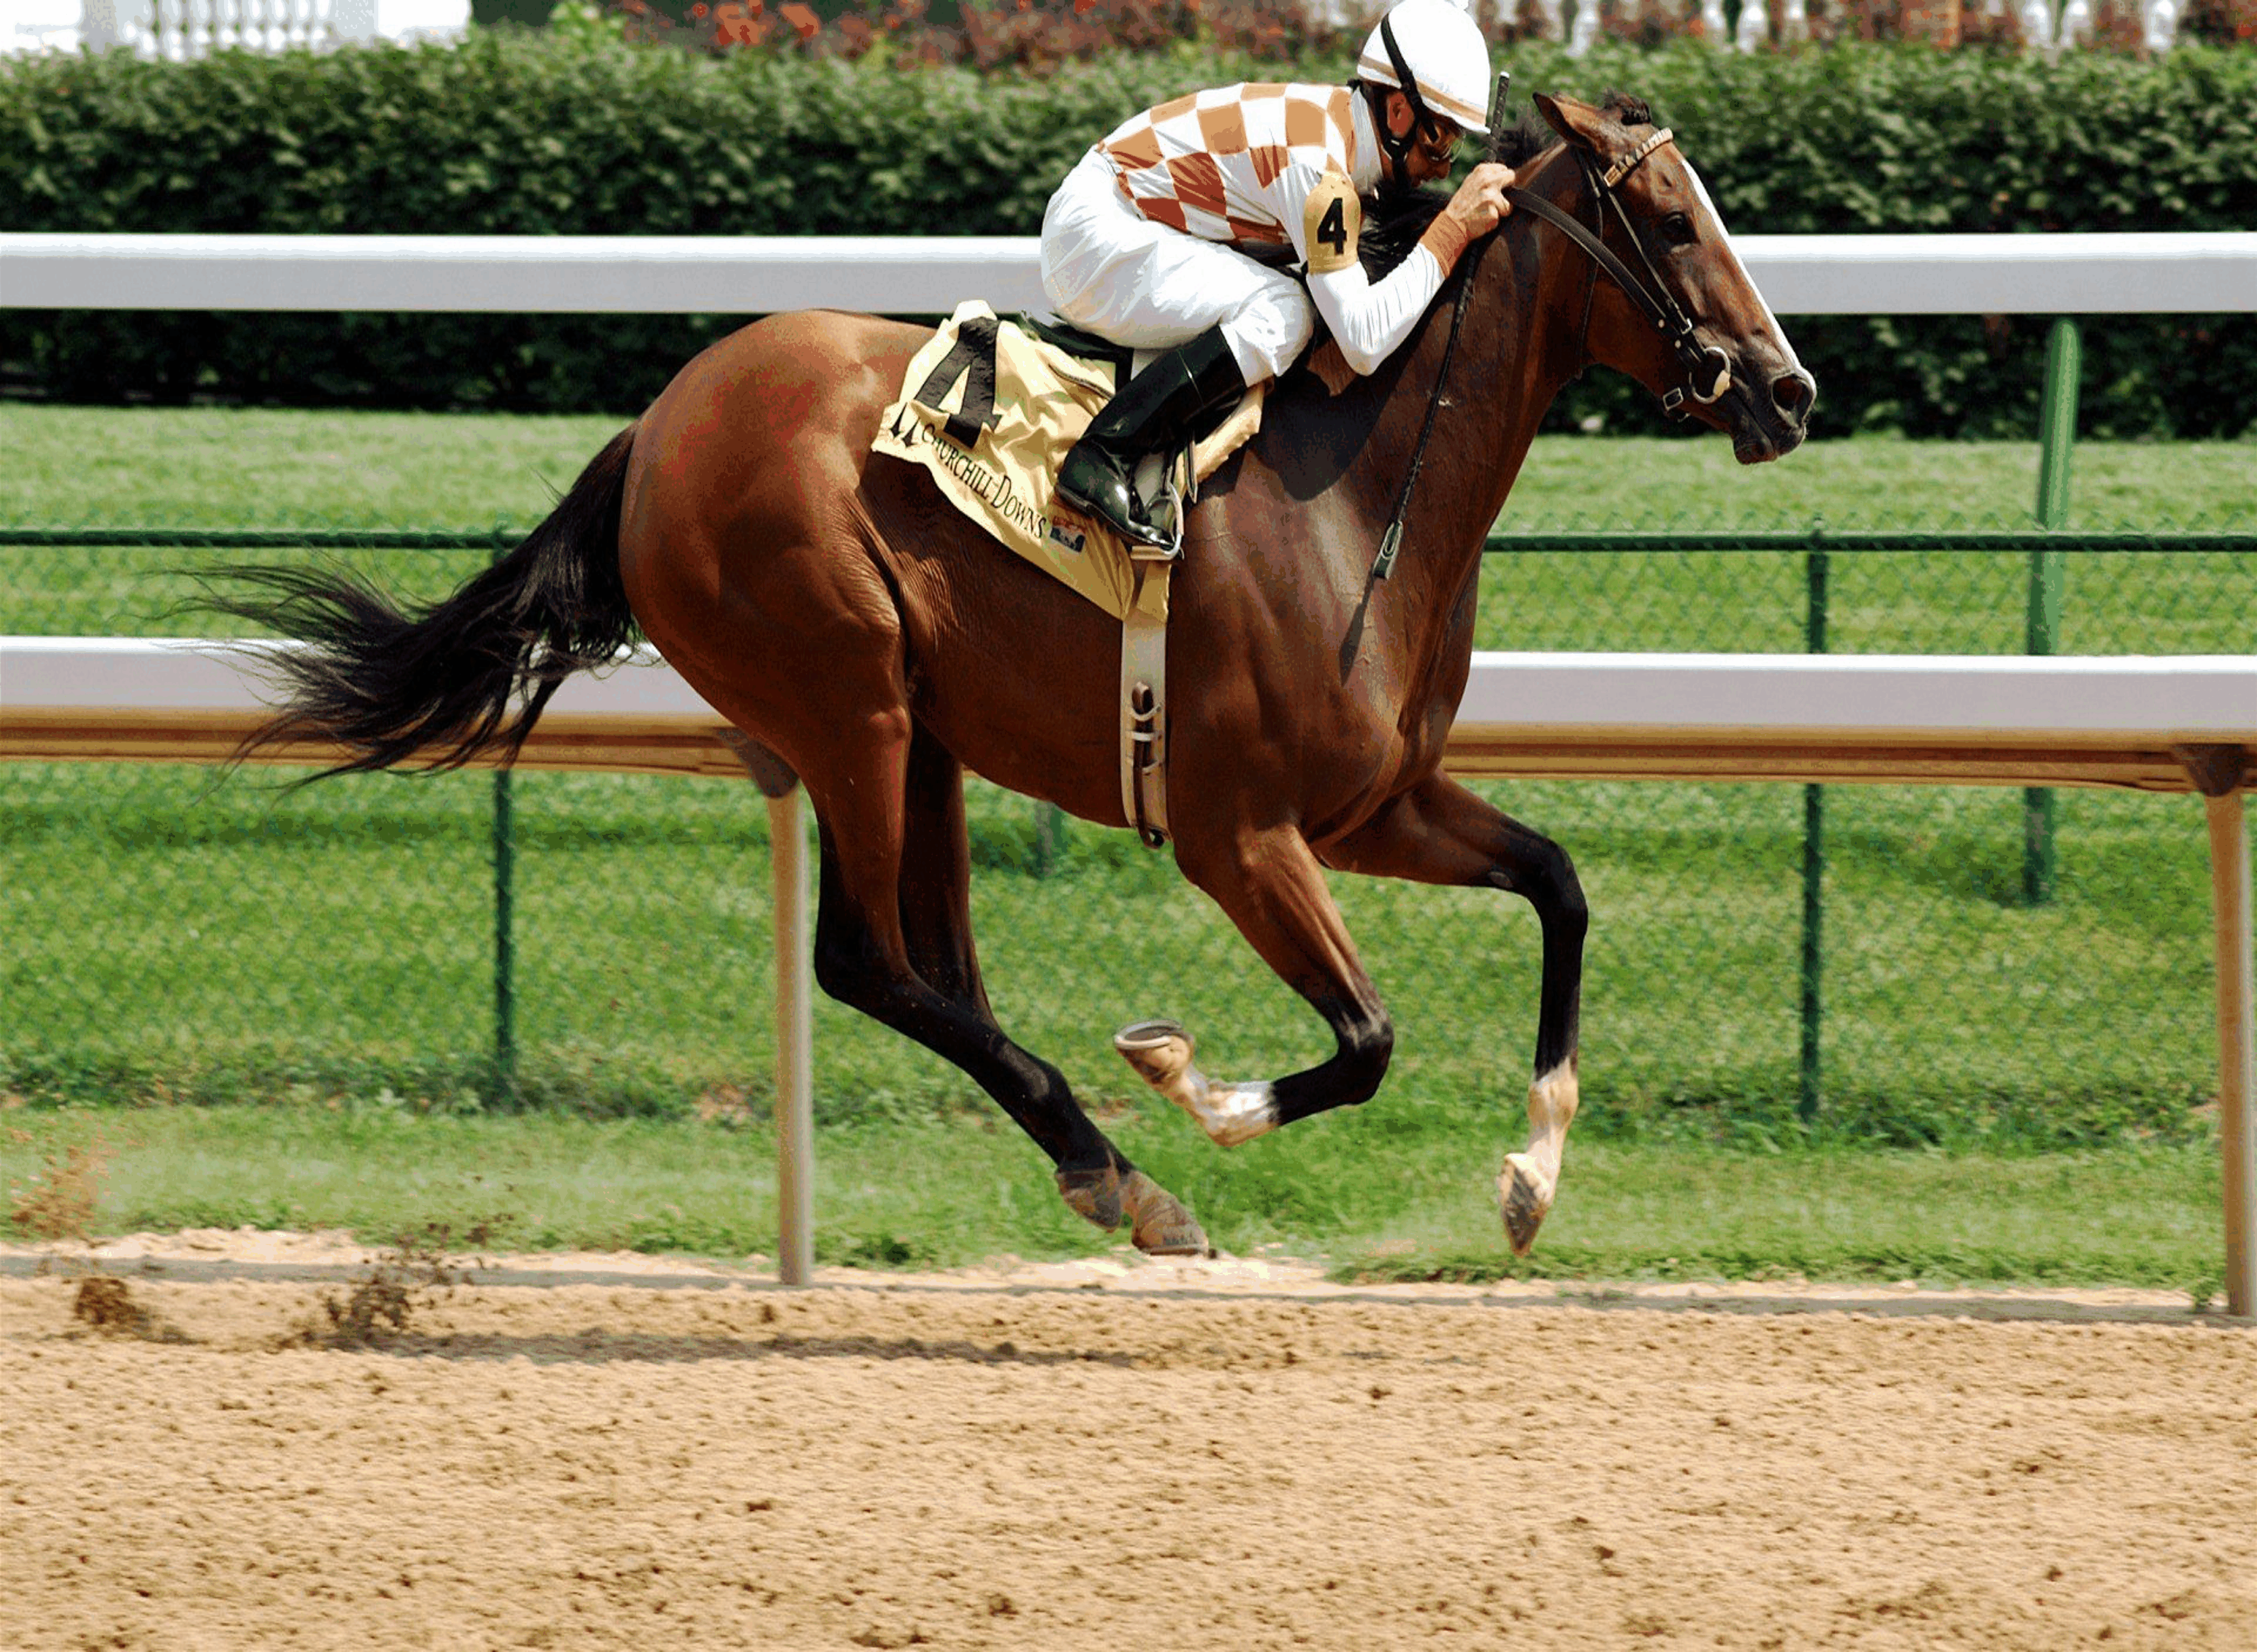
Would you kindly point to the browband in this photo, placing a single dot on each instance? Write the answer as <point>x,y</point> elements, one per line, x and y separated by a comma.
<point>1622,168</point>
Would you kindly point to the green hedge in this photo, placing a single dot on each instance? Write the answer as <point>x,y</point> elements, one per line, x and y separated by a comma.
<point>514,133</point>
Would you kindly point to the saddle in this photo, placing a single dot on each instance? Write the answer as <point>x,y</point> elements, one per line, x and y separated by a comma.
<point>989,407</point>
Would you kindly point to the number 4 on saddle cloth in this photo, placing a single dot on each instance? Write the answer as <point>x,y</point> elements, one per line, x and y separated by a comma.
<point>990,407</point>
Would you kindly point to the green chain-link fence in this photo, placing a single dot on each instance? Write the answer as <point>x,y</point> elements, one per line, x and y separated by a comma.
<point>171,934</point>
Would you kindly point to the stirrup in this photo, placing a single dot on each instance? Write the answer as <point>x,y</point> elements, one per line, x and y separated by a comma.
<point>1171,499</point>
<point>1144,540</point>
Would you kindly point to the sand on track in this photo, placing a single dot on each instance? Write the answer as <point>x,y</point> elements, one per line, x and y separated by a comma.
<point>890,1466</point>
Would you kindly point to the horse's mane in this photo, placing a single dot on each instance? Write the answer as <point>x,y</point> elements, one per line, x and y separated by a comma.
<point>1396,219</point>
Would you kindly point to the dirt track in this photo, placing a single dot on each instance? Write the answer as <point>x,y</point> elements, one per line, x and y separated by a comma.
<point>612,1467</point>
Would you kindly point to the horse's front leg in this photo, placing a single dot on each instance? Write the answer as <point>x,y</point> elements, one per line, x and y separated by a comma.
<point>1271,884</point>
<point>1440,833</point>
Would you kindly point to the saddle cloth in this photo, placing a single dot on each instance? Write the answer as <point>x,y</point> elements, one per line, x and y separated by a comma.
<point>990,410</point>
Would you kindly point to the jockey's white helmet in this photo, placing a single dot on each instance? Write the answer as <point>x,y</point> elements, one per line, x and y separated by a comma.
<point>1442,46</point>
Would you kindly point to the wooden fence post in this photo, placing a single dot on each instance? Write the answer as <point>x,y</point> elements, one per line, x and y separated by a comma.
<point>2219,772</point>
<point>794,1006</point>
<point>2237,1089</point>
<point>795,1077</point>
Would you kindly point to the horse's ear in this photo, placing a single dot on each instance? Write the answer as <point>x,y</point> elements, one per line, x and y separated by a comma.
<point>1578,123</point>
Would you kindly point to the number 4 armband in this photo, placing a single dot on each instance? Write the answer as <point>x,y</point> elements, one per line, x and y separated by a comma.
<point>1330,223</point>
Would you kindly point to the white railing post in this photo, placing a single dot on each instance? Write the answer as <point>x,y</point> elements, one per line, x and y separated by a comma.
<point>2237,1061</point>
<point>794,1059</point>
<point>2159,20</point>
<point>2037,25</point>
<point>1754,26</point>
<point>1586,27</point>
<point>353,22</point>
<point>98,27</point>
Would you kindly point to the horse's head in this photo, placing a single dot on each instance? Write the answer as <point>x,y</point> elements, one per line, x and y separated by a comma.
<point>1678,314</point>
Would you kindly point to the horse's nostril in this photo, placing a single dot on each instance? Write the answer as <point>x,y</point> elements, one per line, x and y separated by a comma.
<point>1790,393</point>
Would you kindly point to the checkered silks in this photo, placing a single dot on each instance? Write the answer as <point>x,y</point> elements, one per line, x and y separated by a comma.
<point>1235,163</point>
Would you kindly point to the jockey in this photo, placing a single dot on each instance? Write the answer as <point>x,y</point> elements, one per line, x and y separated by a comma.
<point>1142,244</point>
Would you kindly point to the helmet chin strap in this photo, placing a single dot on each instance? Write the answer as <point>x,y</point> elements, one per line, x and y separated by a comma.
<point>1398,149</point>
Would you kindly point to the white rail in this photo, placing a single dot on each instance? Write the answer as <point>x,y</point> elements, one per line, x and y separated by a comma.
<point>1800,275</point>
<point>1878,701</point>
<point>2142,722</point>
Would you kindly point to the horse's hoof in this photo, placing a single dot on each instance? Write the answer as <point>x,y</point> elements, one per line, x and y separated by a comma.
<point>1161,1053</point>
<point>1526,1198</point>
<point>1159,1050</point>
<point>1093,1195</point>
<point>1162,1226</point>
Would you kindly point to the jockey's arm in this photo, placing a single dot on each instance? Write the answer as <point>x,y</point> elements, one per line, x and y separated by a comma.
<point>1369,319</point>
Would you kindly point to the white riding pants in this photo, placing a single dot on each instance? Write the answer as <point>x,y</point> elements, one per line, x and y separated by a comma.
<point>1111,271</point>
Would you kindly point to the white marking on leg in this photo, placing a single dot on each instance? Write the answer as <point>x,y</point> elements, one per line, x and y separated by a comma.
<point>1161,1053</point>
<point>1551,1102</point>
<point>1530,1180</point>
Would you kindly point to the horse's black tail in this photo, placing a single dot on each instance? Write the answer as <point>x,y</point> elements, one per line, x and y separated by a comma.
<point>461,677</point>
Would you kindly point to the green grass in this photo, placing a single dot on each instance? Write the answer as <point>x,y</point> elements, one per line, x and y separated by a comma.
<point>257,467</point>
<point>1375,1197</point>
<point>260,467</point>
<point>172,939</point>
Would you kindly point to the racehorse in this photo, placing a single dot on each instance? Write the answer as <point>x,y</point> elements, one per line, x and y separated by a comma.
<point>861,632</point>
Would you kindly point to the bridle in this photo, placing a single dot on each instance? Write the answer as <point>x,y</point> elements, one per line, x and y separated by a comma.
<point>1704,365</point>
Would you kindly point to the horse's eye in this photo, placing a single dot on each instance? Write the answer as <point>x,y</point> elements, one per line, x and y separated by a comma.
<point>1677,230</point>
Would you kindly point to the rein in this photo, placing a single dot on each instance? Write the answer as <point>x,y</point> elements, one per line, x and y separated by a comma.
<point>1391,541</point>
<point>1651,295</point>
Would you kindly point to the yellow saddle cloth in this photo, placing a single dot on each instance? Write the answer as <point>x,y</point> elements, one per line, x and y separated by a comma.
<point>990,410</point>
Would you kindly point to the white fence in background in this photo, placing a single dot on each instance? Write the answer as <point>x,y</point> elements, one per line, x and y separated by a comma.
<point>1986,719</point>
<point>2047,25</point>
<point>194,28</point>
<point>2191,273</point>
<point>184,29</point>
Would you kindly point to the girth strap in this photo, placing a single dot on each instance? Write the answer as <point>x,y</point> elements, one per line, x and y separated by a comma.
<point>1144,709</point>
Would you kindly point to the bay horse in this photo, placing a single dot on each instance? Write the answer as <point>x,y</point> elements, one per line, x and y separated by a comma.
<point>861,632</point>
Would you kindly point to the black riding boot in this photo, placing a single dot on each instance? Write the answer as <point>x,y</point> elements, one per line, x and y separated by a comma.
<point>1156,414</point>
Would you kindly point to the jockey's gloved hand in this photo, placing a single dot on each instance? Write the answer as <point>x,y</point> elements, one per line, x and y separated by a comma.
<point>1477,207</point>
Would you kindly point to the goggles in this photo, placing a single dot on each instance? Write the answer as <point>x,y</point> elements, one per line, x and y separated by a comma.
<point>1437,141</point>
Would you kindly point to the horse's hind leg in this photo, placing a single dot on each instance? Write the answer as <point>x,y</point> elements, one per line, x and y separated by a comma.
<point>937,874</point>
<point>894,939</point>
<point>1440,833</point>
